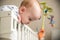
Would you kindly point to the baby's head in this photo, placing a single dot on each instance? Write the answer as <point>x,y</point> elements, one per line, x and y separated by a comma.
<point>29,11</point>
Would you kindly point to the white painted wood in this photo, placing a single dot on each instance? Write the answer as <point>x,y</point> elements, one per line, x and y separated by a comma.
<point>19,32</point>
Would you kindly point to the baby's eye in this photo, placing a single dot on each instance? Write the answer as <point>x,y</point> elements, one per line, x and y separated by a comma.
<point>30,19</point>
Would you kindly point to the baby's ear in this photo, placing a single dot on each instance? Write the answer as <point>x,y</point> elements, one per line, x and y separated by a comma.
<point>22,9</point>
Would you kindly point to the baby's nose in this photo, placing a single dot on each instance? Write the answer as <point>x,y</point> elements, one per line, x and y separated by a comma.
<point>39,18</point>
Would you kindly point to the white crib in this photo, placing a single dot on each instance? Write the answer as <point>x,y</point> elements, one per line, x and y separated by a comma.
<point>12,30</point>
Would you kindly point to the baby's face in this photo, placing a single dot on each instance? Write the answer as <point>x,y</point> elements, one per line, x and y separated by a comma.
<point>32,13</point>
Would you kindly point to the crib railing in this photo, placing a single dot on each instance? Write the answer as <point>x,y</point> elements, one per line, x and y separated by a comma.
<point>26,33</point>
<point>14,30</point>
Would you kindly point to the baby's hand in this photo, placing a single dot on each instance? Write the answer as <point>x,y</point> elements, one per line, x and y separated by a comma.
<point>19,18</point>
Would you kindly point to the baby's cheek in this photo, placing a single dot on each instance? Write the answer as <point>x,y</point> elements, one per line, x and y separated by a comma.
<point>37,13</point>
<point>26,21</point>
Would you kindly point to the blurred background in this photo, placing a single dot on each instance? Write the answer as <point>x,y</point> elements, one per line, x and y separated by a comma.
<point>50,31</point>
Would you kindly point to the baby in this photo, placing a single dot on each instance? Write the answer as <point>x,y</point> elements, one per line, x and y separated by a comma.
<point>29,10</point>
